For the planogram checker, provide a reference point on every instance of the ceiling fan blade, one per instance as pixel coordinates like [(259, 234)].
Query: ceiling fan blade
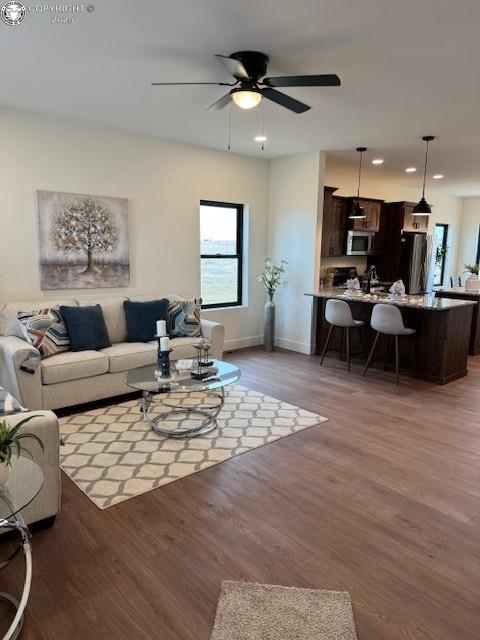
[(325, 80), (235, 67), (217, 84), (220, 104), (285, 101)]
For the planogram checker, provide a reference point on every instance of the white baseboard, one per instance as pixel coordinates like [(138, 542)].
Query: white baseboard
[(241, 343), (294, 345)]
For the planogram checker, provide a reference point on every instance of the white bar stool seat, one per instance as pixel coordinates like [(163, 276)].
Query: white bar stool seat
[(339, 314), (387, 320)]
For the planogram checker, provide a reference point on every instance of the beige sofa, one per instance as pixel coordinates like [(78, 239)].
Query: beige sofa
[(47, 504), (72, 378)]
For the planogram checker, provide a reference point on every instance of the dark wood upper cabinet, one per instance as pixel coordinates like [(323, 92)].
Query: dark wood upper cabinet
[(395, 218), (334, 224), (373, 209)]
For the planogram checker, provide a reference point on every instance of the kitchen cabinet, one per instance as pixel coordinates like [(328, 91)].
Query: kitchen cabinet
[(395, 218), (411, 222), (334, 222), (372, 207)]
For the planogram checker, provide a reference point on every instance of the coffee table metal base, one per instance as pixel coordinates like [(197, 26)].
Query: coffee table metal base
[(209, 413)]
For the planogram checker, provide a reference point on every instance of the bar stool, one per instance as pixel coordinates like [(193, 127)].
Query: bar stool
[(339, 314), (387, 320)]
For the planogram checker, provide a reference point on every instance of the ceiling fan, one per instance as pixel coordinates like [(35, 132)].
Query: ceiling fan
[(248, 68)]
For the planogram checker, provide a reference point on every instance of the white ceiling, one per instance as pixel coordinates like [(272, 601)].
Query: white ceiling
[(408, 68)]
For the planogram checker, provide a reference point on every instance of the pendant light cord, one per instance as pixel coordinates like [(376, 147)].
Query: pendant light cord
[(425, 170), (359, 176)]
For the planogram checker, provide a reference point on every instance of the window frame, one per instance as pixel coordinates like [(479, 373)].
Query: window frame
[(226, 256), (477, 259), (443, 246)]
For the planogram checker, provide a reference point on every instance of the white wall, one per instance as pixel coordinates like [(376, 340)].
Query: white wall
[(445, 209), (296, 197), (467, 250), (163, 181)]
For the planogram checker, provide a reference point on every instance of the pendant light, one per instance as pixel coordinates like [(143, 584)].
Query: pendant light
[(422, 208), (358, 211)]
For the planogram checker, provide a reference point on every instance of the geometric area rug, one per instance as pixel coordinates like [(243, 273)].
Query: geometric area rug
[(249, 611), (112, 454)]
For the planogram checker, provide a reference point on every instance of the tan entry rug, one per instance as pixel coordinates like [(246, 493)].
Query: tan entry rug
[(112, 454), (248, 611)]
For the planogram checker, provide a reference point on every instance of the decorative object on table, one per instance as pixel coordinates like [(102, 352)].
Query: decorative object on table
[(203, 350), (83, 241), (143, 317), (353, 284), (46, 330), (86, 327), (152, 461), (272, 279), (183, 319), (163, 356), (11, 442), (472, 283), (397, 288), (246, 609), (422, 208), (23, 486)]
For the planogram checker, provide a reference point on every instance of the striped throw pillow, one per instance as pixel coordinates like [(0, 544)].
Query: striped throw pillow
[(183, 318), (46, 330)]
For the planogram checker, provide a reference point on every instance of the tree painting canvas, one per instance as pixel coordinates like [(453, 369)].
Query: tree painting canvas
[(83, 241)]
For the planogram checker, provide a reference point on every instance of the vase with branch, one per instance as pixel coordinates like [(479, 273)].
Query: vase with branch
[(272, 278)]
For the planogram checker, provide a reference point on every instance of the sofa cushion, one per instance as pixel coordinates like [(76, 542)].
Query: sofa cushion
[(130, 355), (142, 318), (9, 322), (183, 347), (73, 365), (113, 313), (86, 327)]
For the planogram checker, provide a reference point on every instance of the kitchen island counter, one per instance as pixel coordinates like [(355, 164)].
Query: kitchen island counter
[(438, 351), (458, 294)]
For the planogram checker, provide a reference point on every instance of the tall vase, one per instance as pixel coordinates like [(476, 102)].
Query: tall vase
[(269, 324)]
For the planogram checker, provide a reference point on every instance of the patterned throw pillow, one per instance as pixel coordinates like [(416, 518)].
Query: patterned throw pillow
[(46, 330), (183, 318)]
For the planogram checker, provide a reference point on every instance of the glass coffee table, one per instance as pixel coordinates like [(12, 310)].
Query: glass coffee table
[(24, 484), (176, 394)]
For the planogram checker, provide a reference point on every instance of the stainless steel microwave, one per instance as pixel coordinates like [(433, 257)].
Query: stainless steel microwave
[(360, 243)]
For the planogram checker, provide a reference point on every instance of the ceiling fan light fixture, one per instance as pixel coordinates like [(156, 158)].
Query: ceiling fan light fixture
[(246, 98), (261, 138)]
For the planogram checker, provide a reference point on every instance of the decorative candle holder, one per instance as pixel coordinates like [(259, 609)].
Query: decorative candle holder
[(203, 349), (163, 360)]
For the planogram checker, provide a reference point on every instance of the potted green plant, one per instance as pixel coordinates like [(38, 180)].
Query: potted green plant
[(472, 283), (11, 443), (272, 279)]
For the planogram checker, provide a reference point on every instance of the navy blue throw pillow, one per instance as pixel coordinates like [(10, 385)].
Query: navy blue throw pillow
[(142, 318), (86, 327)]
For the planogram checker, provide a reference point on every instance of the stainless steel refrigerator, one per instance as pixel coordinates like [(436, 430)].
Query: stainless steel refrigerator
[(415, 262)]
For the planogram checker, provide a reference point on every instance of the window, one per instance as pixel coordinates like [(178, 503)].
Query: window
[(440, 236), (221, 250)]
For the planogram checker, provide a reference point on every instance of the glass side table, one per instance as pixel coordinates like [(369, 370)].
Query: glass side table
[(24, 484)]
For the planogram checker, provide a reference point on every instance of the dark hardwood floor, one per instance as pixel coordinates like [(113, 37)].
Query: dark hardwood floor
[(382, 501)]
